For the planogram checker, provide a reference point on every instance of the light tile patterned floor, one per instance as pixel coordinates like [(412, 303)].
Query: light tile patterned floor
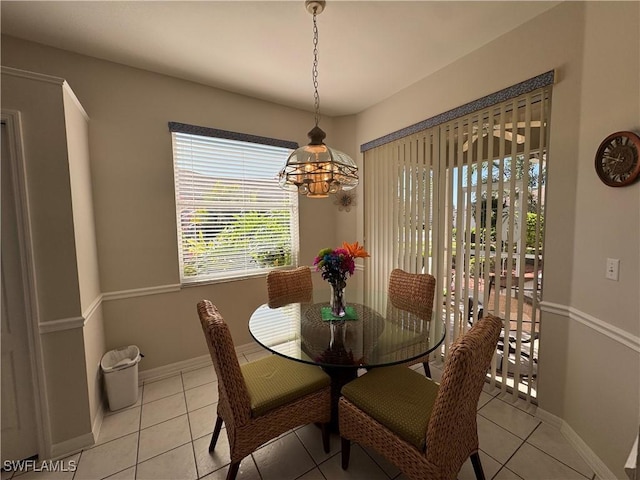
[(166, 434)]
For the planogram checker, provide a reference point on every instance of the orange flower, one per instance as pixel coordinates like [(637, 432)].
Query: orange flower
[(355, 250)]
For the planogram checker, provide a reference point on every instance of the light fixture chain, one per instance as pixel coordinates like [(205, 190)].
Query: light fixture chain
[(317, 170), (316, 96)]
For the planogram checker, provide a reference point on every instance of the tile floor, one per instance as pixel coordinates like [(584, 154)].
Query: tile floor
[(166, 435)]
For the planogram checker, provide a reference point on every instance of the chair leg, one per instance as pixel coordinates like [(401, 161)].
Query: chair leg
[(346, 452), (477, 466), (325, 437), (233, 470), (216, 434), (427, 370)]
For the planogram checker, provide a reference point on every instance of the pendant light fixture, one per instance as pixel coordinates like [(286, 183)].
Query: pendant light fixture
[(317, 170)]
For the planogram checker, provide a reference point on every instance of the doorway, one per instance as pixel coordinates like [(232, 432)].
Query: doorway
[(19, 419)]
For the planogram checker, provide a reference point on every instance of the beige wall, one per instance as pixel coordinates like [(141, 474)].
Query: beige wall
[(347, 222), (585, 221), (77, 134), (47, 172), (67, 386), (94, 348), (608, 219), (131, 163), (602, 389)]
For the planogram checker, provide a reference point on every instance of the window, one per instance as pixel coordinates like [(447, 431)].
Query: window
[(233, 219)]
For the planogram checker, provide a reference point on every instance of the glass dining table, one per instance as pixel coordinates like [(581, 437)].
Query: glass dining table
[(372, 334)]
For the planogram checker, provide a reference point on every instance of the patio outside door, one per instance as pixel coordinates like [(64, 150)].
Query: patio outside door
[(464, 201), (490, 261)]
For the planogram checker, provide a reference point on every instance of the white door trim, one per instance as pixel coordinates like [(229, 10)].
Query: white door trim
[(12, 120)]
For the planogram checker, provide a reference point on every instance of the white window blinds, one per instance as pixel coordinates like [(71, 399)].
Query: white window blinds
[(461, 196), (233, 218)]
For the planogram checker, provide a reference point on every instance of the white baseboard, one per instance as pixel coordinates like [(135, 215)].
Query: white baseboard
[(77, 444), (97, 423), (71, 446), (165, 371), (549, 418), (248, 348), (598, 466)]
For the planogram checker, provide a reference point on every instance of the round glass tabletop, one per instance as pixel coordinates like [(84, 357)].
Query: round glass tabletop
[(365, 337)]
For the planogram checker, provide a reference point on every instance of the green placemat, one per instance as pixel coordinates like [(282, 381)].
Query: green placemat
[(349, 314)]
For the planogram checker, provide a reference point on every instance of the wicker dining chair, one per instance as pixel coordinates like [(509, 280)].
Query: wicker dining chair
[(414, 293), (426, 430), (262, 399), (289, 286)]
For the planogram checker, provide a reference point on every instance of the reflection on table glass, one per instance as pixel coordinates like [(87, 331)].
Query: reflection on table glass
[(367, 338)]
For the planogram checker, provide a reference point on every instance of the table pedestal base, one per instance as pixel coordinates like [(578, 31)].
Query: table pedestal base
[(340, 376)]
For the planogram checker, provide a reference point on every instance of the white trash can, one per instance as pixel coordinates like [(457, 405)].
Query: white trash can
[(120, 369)]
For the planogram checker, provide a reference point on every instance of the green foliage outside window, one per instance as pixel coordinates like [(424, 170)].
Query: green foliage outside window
[(247, 231)]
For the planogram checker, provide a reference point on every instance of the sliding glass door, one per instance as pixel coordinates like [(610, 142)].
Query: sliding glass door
[(464, 201)]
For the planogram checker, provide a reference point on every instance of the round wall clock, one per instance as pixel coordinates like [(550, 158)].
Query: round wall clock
[(617, 159)]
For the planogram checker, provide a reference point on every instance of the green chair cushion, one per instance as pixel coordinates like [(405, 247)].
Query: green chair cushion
[(274, 381), (397, 397)]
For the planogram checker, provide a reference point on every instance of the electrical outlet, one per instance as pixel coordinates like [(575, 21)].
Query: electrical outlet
[(613, 269)]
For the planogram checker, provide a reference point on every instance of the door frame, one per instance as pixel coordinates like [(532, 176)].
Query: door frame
[(12, 120)]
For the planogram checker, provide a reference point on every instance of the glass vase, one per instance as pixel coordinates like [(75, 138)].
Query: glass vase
[(337, 302)]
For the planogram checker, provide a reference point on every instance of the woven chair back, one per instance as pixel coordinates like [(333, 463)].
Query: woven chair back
[(231, 386), (452, 433), (412, 292), (289, 286)]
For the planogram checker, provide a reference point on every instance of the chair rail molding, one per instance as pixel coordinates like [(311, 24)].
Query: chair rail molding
[(140, 292), (70, 323), (61, 324), (621, 336)]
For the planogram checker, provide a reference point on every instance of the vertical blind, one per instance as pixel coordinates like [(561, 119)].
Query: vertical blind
[(398, 208), (464, 201), (233, 218)]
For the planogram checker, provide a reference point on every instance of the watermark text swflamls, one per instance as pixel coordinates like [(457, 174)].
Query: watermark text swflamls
[(46, 466)]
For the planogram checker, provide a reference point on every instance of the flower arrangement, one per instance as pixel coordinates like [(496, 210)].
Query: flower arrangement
[(336, 264)]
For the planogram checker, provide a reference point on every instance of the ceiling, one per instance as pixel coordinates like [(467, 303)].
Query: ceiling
[(369, 50)]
